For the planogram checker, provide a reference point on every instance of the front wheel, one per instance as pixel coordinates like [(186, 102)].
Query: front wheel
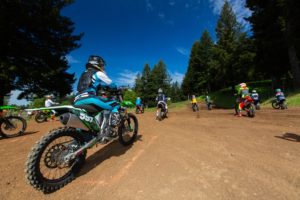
[(251, 111), (128, 130), (12, 126), (46, 167)]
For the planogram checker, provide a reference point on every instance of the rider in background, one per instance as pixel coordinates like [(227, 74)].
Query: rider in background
[(161, 98), (279, 95), (208, 102), (254, 95), (49, 103), (194, 100), (93, 78), (242, 92)]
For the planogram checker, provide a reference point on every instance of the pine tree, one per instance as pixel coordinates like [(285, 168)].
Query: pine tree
[(276, 30), (190, 79), (34, 41)]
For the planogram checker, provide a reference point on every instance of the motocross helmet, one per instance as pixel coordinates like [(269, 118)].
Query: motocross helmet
[(160, 90), (278, 90), (243, 85), (95, 62), (253, 91)]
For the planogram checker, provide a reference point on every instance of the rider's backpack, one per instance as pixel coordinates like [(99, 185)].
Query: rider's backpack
[(85, 80)]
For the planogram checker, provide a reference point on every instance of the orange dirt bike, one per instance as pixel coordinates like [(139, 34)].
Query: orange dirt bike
[(55, 160), (139, 109)]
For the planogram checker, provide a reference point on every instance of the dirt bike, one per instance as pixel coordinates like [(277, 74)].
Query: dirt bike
[(162, 111), (249, 106), (11, 126), (58, 156), (139, 109), (279, 104), (256, 104), (195, 107), (43, 115)]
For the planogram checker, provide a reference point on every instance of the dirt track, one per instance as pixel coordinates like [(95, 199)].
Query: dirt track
[(215, 156)]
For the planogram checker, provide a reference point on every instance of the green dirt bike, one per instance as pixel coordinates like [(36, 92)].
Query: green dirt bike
[(11, 126), (58, 156), (42, 115)]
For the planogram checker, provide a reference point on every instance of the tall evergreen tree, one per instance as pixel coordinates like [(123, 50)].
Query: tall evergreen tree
[(228, 31), (190, 78), (204, 72), (35, 38), (276, 29)]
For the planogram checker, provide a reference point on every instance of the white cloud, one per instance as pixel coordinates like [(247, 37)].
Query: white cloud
[(238, 6), (13, 98), (71, 59), (176, 76), (127, 77), (149, 6), (161, 15), (182, 51), (172, 3)]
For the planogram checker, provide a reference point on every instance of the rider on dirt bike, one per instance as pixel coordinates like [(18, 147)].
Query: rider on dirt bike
[(194, 102), (279, 95), (242, 92), (254, 95), (49, 103), (161, 98), (138, 103), (91, 79), (208, 102)]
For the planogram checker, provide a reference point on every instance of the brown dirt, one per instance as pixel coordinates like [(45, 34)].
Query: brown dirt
[(212, 156)]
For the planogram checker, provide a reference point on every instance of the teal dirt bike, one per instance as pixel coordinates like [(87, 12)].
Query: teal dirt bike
[(55, 160)]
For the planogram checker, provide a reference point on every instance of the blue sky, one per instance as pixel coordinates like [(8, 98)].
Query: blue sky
[(130, 33)]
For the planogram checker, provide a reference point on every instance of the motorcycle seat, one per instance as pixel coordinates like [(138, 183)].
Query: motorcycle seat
[(90, 108)]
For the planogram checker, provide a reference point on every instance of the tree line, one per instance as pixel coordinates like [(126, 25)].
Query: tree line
[(35, 39), (150, 80), (270, 50)]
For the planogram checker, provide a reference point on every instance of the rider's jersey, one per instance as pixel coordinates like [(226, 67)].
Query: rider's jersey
[(242, 92), (255, 96), (91, 82), (161, 97), (194, 100), (49, 103), (138, 102), (280, 96)]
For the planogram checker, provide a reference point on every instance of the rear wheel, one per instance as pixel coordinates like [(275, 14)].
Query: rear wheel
[(275, 104), (12, 126), (40, 117), (46, 168), (128, 130)]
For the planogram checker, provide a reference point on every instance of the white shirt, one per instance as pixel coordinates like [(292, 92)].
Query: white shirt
[(49, 103)]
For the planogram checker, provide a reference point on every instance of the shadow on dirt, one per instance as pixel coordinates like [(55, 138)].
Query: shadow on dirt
[(112, 149), (290, 136), (15, 136)]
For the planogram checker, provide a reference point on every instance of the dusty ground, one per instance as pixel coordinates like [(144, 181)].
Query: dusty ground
[(214, 156)]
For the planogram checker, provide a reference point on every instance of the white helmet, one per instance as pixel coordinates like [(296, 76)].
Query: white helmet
[(160, 90), (253, 91)]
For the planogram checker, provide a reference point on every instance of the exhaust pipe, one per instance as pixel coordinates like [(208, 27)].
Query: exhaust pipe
[(71, 120)]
